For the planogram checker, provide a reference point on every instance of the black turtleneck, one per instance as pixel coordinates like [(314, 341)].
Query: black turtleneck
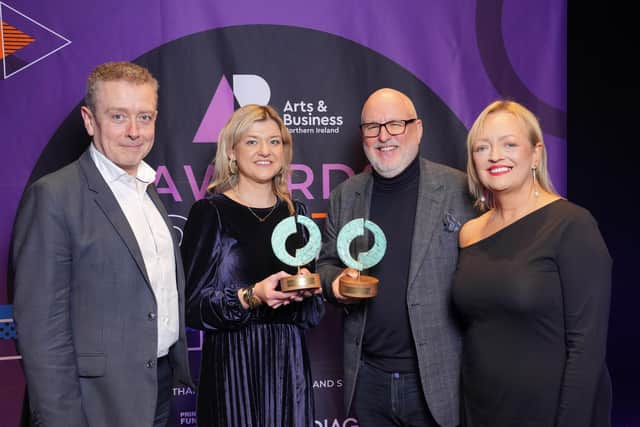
[(388, 342)]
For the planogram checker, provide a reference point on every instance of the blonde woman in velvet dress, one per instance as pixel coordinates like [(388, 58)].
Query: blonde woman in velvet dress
[(255, 367)]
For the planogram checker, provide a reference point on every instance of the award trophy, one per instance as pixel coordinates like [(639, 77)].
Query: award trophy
[(304, 255), (361, 286)]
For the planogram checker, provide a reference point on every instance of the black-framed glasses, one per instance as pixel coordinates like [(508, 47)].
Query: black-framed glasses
[(393, 127)]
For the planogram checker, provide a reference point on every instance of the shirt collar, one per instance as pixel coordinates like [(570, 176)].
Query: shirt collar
[(112, 172)]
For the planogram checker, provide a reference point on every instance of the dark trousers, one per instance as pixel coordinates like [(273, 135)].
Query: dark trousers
[(390, 399), (163, 404)]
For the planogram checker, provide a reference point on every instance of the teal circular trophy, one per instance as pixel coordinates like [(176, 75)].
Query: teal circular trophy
[(304, 255), (362, 286)]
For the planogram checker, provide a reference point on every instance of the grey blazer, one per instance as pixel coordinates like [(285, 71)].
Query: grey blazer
[(443, 205), (84, 308)]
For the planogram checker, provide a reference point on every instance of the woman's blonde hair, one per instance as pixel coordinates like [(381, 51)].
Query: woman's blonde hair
[(484, 198), (237, 126)]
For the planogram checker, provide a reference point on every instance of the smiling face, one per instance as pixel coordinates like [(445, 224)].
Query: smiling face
[(503, 155), (123, 123), (390, 155), (259, 153)]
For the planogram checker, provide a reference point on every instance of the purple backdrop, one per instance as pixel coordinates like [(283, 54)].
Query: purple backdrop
[(459, 54)]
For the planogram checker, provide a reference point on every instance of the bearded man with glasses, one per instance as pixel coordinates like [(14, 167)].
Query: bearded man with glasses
[(401, 348)]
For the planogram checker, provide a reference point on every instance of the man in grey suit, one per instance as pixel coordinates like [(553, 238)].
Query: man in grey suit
[(99, 286), (401, 348)]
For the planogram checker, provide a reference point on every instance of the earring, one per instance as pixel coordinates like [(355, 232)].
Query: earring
[(536, 193), (233, 167)]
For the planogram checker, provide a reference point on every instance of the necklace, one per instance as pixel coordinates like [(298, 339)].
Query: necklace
[(258, 217), (263, 218)]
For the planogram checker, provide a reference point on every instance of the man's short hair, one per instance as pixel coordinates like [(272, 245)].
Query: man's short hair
[(116, 71)]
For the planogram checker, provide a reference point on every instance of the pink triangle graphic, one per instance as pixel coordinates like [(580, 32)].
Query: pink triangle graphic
[(219, 111)]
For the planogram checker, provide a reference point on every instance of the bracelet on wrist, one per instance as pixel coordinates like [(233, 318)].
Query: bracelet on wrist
[(249, 298)]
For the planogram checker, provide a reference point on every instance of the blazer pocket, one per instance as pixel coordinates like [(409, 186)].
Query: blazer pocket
[(91, 365)]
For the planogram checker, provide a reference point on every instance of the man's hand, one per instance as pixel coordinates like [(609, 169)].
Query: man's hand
[(335, 286)]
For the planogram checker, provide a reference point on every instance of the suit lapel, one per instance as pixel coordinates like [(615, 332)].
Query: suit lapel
[(155, 198), (428, 217), (107, 202)]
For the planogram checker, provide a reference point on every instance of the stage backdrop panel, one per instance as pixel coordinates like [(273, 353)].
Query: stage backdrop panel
[(315, 63)]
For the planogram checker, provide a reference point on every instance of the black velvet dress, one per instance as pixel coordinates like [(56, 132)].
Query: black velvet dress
[(254, 367), (536, 298)]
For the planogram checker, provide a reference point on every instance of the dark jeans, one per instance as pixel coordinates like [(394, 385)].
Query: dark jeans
[(390, 399), (163, 404)]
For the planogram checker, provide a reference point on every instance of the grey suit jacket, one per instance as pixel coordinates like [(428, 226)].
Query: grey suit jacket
[(443, 205), (84, 308)]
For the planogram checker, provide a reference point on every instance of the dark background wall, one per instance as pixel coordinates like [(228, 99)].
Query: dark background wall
[(603, 172)]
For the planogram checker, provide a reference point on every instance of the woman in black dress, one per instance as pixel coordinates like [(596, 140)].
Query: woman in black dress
[(533, 283), (254, 367)]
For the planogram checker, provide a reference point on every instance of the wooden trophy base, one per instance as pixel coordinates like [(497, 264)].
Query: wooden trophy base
[(359, 287), (300, 282)]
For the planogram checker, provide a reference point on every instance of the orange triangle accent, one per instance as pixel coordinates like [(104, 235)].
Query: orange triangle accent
[(13, 40)]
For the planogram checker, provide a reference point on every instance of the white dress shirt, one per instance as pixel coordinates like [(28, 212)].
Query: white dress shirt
[(153, 237)]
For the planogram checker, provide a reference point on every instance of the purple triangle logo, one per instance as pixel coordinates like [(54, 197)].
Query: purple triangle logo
[(219, 111)]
